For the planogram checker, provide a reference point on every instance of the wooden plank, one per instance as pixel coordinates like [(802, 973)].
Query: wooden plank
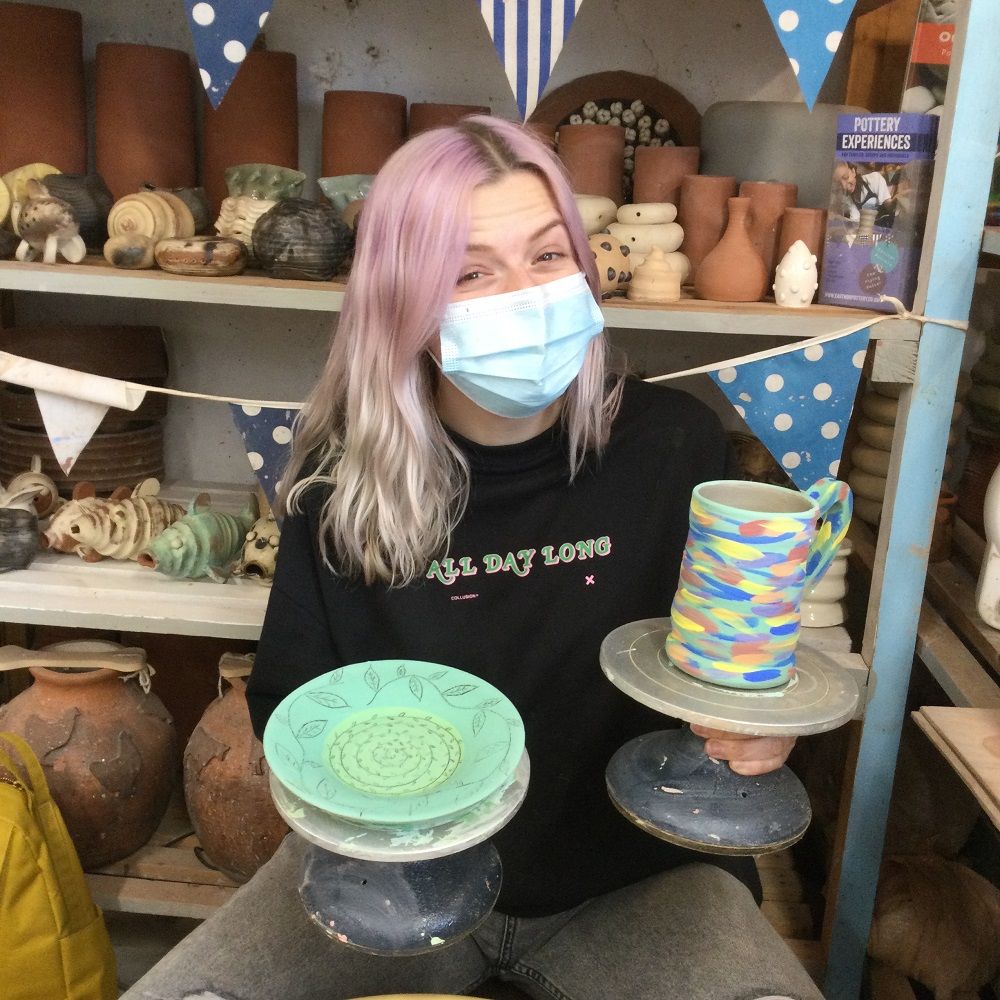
[(790, 920), (781, 885), (888, 984), (810, 954), (167, 864), (974, 735), (991, 240), (969, 545), (172, 899)]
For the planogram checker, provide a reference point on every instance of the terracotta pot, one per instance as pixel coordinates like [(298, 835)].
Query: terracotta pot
[(361, 130), (545, 131), (980, 464), (659, 171), (428, 115), (944, 518), (257, 122), (734, 270), (768, 201), (226, 787), (144, 117), (594, 156), (43, 116), (806, 224), (109, 752), (702, 214)]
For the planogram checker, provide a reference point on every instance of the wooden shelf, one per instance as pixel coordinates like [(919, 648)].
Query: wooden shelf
[(96, 277), (991, 240)]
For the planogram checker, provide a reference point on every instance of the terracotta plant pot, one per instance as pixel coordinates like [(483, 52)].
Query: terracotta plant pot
[(734, 270), (594, 156), (109, 752), (361, 130), (545, 131), (806, 224), (768, 201), (659, 171), (702, 214), (144, 118), (428, 115), (257, 122), (43, 115)]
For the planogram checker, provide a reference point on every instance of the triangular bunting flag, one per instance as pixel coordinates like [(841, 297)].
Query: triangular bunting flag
[(70, 424), (528, 36), (267, 438), (810, 32), (223, 31), (798, 404)]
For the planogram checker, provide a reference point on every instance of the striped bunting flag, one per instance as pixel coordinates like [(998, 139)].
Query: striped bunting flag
[(528, 36)]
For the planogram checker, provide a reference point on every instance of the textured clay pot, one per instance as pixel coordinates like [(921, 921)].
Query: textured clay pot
[(806, 224), (659, 171), (428, 115), (768, 201), (734, 270), (226, 787), (301, 239), (18, 538), (594, 156), (43, 115), (89, 198), (144, 117), (109, 752), (361, 130), (702, 214), (257, 122)]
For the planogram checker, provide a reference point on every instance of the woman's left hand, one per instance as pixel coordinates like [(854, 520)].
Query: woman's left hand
[(746, 754)]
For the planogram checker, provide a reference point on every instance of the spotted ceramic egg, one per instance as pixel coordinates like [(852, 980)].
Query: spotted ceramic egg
[(613, 265)]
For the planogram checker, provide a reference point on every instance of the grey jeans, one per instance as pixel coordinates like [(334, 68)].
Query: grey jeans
[(694, 933)]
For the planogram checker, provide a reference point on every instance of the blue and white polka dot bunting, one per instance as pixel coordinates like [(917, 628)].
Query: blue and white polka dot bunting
[(799, 404), (267, 437)]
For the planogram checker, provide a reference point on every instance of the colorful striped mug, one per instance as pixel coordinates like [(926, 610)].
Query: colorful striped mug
[(751, 551)]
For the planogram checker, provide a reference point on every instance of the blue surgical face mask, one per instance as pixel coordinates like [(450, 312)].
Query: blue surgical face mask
[(515, 353)]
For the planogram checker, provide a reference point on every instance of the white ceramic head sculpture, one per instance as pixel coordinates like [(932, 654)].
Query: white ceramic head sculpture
[(797, 279), (988, 588)]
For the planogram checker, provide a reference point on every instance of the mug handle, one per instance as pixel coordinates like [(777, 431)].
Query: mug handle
[(835, 503)]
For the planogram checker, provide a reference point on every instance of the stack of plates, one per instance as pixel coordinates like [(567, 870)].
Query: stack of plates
[(396, 760)]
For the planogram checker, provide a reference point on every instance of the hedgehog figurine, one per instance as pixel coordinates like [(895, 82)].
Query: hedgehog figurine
[(46, 225), (202, 543)]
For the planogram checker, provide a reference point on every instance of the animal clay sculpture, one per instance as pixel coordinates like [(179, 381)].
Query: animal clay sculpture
[(260, 550), (47, 226), (46, 494), (202, 543)]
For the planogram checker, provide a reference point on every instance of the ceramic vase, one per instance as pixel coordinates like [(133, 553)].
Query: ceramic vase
[(659, 171), (806, 224), (594, 157), (768, 201), (89, 198), (258, 122), (425, 115), (18, 538), (734, 270), (735, 616), (702, 214), (109, 752), (226, 787), (361, 130), (43, 111), (301, 239), (796, 278), (144, 118)]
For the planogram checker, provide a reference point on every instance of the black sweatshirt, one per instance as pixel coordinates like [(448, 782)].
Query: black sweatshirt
[(539, 571)]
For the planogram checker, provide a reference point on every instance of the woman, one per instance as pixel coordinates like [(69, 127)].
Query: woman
[(469, 486), (860, 191)]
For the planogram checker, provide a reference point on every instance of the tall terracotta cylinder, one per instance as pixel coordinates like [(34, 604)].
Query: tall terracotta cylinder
[(659, 171), (144, 117), (361, 130), (594, 156), (109, 752), (257, 121), (702, 214), (43, 115), (768, 201), (429, 115), (734, 270), (806, 224)]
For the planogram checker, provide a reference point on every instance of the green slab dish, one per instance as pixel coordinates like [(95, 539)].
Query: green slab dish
[(394, 742)]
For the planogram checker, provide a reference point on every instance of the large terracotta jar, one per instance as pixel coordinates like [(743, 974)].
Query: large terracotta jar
[(768, 201), (361, 130), (702, 214), (257, 122), (43, 115), (806, 224), (226, 787), (429, 115), (594, 157), (734, 271), (109, 751), (659, 171), (144, 118)]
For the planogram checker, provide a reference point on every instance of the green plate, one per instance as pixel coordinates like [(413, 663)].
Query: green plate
[(392, 742)]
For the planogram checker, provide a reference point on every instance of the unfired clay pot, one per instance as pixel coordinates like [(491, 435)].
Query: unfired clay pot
[(144, 118), (768, 201), (806, 224), (43, 112), (109, 752), (226, 787), (429, 115), (594, 156), (659, 171), (361, 130), (734, 270), (702, 214)]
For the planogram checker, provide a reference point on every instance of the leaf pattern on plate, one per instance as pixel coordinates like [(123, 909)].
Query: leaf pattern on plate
[(288, 757), (457, 689), (478, 721), (401, 670), (310, 729), (417, 688), (372, 679), (489, 751), (328, 699)]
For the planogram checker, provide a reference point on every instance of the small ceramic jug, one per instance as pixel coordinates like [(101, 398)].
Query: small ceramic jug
[(751, 551)]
